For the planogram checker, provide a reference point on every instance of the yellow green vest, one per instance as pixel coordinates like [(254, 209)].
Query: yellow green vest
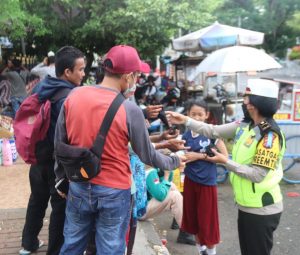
[(247, 193)]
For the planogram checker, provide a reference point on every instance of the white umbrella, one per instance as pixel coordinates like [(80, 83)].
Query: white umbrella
[(217, 36), (237, 59)]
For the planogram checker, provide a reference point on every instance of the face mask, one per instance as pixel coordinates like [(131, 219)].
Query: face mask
[(129, 91), (247, 116)]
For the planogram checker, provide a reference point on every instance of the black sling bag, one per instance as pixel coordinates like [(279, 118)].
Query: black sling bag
[(82, 164)]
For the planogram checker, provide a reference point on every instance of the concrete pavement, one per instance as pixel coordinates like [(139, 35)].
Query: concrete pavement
[(12, 222), (15, 191), (286, 237)]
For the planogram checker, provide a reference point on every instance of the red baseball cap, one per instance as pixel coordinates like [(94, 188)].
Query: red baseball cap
[(125, 59)]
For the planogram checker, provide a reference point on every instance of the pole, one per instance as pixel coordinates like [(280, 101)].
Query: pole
[(239, 21), (236, 94), (157, 69), (23, 46)]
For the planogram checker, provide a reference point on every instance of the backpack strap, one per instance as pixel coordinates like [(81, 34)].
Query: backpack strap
[(98, 145)]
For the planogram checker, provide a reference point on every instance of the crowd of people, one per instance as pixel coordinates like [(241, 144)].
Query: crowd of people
[(99, 216), (17, 82)]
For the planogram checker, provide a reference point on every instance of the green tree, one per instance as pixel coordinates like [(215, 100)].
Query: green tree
[(267, 16), (147, 25), (96, 25), (16, 22), (294, 22)]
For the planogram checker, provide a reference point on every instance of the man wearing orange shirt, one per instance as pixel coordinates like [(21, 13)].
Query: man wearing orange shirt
[(104, 202)]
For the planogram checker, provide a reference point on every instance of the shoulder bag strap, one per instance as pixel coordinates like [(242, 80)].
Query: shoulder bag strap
[(98, 145)]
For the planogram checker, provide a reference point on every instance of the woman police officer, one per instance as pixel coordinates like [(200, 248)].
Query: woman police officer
[(256, 168)]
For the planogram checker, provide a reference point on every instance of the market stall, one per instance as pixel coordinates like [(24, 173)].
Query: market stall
[(8, 151), (217, 36)]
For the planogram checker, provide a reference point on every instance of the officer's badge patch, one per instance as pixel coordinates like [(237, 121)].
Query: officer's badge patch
[(267, 152), (249, 141), (268, 140)]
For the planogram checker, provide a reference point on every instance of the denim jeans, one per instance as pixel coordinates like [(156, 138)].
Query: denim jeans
[(93, 206)]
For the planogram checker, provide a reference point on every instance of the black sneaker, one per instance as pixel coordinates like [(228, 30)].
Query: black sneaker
[(185, 238), (174, 224)]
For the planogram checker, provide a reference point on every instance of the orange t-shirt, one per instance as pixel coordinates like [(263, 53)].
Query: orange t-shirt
[(115, 166)]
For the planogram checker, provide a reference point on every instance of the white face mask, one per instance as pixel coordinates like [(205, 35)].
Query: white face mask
[(129, 91)]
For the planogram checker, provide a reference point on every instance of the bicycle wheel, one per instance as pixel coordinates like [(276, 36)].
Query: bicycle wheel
[(222, 174), (291, 160)]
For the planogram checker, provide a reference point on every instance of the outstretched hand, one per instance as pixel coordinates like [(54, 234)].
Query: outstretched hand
[(176, 145), (153, 111), (193, 156), (176, 118), (218, 158), (167, 136), (182, 159)]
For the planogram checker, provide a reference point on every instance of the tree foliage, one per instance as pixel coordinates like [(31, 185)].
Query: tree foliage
[(96, 25), (294, 22), (267, 16), (16, 22), (149, 25)]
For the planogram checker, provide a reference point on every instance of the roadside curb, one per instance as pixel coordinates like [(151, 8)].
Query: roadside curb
[(147, 235), (147, 240)]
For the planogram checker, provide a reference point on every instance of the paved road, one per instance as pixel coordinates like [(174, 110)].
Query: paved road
[(14, 190), (286, 239)]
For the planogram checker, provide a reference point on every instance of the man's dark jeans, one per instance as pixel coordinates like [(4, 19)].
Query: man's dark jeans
[(42, 182)]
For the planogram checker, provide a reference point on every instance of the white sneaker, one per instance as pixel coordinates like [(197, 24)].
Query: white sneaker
[(26, 252)]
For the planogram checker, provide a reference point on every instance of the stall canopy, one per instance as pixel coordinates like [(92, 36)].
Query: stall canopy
[(217, 36), (237, 59)]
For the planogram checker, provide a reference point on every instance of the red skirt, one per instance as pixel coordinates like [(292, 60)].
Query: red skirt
[(200, 212)]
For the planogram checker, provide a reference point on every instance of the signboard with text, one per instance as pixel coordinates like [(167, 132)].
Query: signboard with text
[(296, 108), (282, 116)]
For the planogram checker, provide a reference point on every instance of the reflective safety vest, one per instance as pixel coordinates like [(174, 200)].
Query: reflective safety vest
[(246, 192)]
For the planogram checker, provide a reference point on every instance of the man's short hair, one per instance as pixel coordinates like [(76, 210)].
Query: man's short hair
[(17, 63), (65, 58), (106, 67)]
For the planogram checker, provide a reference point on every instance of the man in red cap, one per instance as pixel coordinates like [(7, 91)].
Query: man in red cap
[(104, 202)]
